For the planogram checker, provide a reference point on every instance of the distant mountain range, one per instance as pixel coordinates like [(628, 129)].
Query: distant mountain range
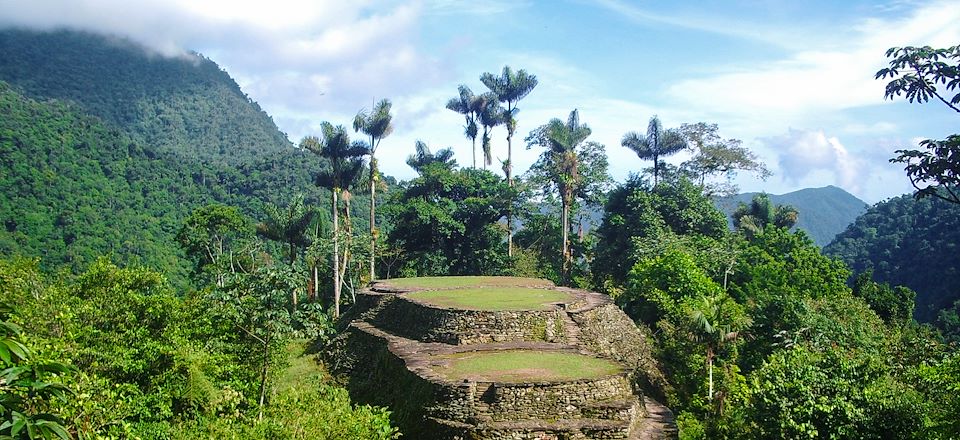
[(824, 212)]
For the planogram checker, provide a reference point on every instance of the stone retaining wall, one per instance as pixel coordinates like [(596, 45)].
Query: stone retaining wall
[(568, 400), (423, 322)]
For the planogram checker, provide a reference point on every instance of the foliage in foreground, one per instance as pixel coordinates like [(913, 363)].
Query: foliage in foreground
[(145, 363), (760, 336)]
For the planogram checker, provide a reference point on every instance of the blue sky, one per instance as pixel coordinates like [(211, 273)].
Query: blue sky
[(792, 80)]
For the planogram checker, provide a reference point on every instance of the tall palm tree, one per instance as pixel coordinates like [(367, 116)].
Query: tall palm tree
[(713, 325), (752, 219), (344, 165), (377, 124), (656, 144), (562, 139), (467, 104), (510, 87), (489, 114), (423, 158)]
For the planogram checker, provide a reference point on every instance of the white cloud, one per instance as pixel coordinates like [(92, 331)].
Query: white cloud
[(834, 77), (287, 54), (804, 152)]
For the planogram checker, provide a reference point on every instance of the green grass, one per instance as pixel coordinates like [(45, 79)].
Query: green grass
[(523, 366), (300, 368), (492, 298), (467, 281)]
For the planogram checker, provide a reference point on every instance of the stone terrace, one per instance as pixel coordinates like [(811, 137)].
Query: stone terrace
[(395, 347)]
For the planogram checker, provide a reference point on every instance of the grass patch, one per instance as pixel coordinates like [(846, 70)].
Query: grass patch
[(492, 298), (466, 281), (524, 366)]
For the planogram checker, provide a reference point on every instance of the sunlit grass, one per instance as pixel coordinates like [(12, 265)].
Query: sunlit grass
[(465, 281), (524, 366), (492, 298)]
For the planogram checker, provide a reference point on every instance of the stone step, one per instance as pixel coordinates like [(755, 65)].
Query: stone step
[(571, 329), (538, 429)]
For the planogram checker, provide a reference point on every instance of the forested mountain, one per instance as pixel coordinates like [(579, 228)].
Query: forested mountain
[(186, 104), (908, 242), (824, 212), (107, 149), (72, 189)]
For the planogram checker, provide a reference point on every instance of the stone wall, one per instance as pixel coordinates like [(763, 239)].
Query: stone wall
[(607, 331), (423, 322), (568, 400)]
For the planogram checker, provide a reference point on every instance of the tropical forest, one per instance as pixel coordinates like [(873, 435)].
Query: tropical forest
[(174, 266)]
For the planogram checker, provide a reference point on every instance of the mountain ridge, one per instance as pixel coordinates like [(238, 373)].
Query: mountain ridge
[(824, 212)]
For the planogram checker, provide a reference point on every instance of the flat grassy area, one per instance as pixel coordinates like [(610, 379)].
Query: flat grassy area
[(492, 298), (468, 281), (523, 366)]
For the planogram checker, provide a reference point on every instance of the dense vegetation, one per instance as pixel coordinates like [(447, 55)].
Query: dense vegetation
[(908, 242), (790, 350), (758, 331), (186, 105), (146, 363)]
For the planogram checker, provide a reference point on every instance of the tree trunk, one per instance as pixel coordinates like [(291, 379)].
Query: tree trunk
[(347, 246), (263, 375), (565, 221), (336, 257), (710, 374), (373, 218), (656, 169), (507, 170), (474, 139), (293, 294)]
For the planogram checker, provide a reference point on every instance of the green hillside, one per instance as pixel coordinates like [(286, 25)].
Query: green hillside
[(107, 149), (824, 212), (908, 242), (186, 105), (72, 189)]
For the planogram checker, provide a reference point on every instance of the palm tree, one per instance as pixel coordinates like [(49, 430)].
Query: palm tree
[(562, 140), (713, 325), (344, 165), (468, 105), (509, 88), (378, 125), (656, 144), (423, 158), (752, 219), (489, 114), (288, 225)]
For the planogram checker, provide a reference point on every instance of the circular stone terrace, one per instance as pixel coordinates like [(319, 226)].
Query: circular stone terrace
[(506, 350)]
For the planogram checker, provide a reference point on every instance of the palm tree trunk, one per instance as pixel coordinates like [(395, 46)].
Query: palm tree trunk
[(656, 169), (507, 169), (336, 257), (474, 139), (565, 221), (373, 218)]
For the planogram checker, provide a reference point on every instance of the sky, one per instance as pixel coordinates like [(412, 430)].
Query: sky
[(793, 80)]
